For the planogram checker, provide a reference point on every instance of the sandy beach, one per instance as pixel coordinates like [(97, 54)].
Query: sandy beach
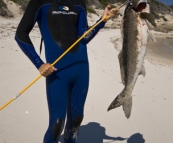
[(26, 119)]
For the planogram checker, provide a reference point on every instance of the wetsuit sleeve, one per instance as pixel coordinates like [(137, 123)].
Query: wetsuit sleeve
[(83, 27), (26, 24)]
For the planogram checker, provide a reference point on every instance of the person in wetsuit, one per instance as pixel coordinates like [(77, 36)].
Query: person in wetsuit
[(61, 23)]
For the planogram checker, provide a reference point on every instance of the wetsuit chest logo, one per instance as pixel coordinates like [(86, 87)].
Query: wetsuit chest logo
[(64, 10)]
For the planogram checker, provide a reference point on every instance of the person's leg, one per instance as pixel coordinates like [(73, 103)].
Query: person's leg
[(76, 104), (57, 91)]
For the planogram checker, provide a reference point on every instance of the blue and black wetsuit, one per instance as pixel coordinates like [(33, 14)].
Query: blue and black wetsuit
[(61, 23)]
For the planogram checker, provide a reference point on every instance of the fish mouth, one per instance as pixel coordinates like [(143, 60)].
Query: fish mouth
[(140, 7)]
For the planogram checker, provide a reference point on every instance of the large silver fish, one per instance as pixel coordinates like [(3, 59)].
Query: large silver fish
[(131, 58)]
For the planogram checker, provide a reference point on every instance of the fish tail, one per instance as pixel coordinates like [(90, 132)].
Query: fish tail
[(127, 106), (124, 99)]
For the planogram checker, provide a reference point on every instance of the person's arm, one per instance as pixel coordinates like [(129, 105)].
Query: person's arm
[(83, 26), (22, 34)]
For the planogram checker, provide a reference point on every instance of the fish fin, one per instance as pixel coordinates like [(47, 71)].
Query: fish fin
[(151, 35), (149, 32), (127, 107), (149, 17), (124, 100), (142, 72), (121, 66), (118, 101), (121, 27), (115, 103)]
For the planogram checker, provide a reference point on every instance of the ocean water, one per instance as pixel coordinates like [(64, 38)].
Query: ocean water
[(162, 49)]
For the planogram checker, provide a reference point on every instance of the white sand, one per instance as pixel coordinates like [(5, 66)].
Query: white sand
[(26, 119)]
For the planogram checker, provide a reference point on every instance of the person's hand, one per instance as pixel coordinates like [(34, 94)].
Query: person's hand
[(109, 12), (46, 69)]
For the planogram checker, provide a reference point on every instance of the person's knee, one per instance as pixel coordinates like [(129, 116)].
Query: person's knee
[(77, 121), (57, 128)]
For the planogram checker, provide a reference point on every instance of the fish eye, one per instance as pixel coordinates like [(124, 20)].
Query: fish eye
[(131, 2)]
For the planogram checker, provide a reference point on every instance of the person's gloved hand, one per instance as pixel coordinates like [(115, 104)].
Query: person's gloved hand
[(46, 69)]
